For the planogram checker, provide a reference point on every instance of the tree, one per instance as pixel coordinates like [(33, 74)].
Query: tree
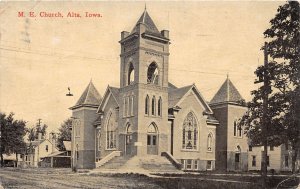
[(280, 117), (64, 133), (262, 120), (284, 48), (33, 132), (12, 135)]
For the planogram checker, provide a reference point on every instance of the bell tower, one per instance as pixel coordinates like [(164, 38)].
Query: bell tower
[(144, 87)]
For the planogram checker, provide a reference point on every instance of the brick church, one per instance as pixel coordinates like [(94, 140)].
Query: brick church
[(147, 116)]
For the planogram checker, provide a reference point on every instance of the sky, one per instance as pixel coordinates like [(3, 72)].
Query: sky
[(40, 57)]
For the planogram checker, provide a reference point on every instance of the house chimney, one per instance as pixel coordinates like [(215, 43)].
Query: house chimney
[(39, 136), (53, 141)]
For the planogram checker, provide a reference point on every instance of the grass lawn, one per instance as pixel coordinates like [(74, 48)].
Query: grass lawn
[(64, 178)]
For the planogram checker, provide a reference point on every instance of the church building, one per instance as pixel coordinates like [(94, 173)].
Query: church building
[(147, 116)]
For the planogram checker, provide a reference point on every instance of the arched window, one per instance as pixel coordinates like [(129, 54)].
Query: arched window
[(190, 132), (77, 151), (152, 129), (153, 105), (159, 108), (111, 133), (237, 129), (127, 106), (152, 73), (131, 105), (147, 105), (99, 140), (152, 136), (130, 79), (240, 129), (234, 128), (128, 134), (209, 142)]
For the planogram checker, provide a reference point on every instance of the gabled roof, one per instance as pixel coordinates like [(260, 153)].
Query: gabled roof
[(227, 93), (148, 22), (114, 92), (179, 94), (89, 97), (175, 95), (171, 86)]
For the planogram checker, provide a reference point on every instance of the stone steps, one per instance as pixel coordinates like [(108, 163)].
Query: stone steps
[(115, 163), (136, 164)]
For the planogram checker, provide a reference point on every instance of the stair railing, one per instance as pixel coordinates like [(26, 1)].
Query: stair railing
[(172, 159)]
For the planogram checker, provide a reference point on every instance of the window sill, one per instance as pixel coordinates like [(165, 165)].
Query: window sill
[(111, 149), (129, 116), (209, 151), (152, 116), (240, 137), (187, 150)]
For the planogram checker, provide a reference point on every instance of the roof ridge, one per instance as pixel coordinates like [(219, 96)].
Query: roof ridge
[(88, 92), (187, 86)]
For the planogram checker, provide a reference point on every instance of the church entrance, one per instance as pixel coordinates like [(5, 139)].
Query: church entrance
[(129, 141), (152, 140)]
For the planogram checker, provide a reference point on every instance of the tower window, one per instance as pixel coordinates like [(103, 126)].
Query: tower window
[(234, 128), (152, 73), (159, 108), (124, 107), (130, 74), (240, 129), (153, 105), (147, 105), (209, 142), (131, 104), (77, 151)]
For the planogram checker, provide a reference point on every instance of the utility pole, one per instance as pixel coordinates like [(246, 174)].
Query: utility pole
[(39, 138), (265, 120), (39, 121)]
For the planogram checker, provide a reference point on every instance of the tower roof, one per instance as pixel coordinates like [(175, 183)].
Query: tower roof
[(227, 93), (90, 96), (148, 22)]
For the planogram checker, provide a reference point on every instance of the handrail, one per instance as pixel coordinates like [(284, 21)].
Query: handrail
[(108, 158), (172, 159)]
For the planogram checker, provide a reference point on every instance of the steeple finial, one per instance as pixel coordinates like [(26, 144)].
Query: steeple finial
[(145, 6), (227, 75)]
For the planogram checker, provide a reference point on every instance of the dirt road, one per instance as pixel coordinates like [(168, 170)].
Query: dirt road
[(64, 178)]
